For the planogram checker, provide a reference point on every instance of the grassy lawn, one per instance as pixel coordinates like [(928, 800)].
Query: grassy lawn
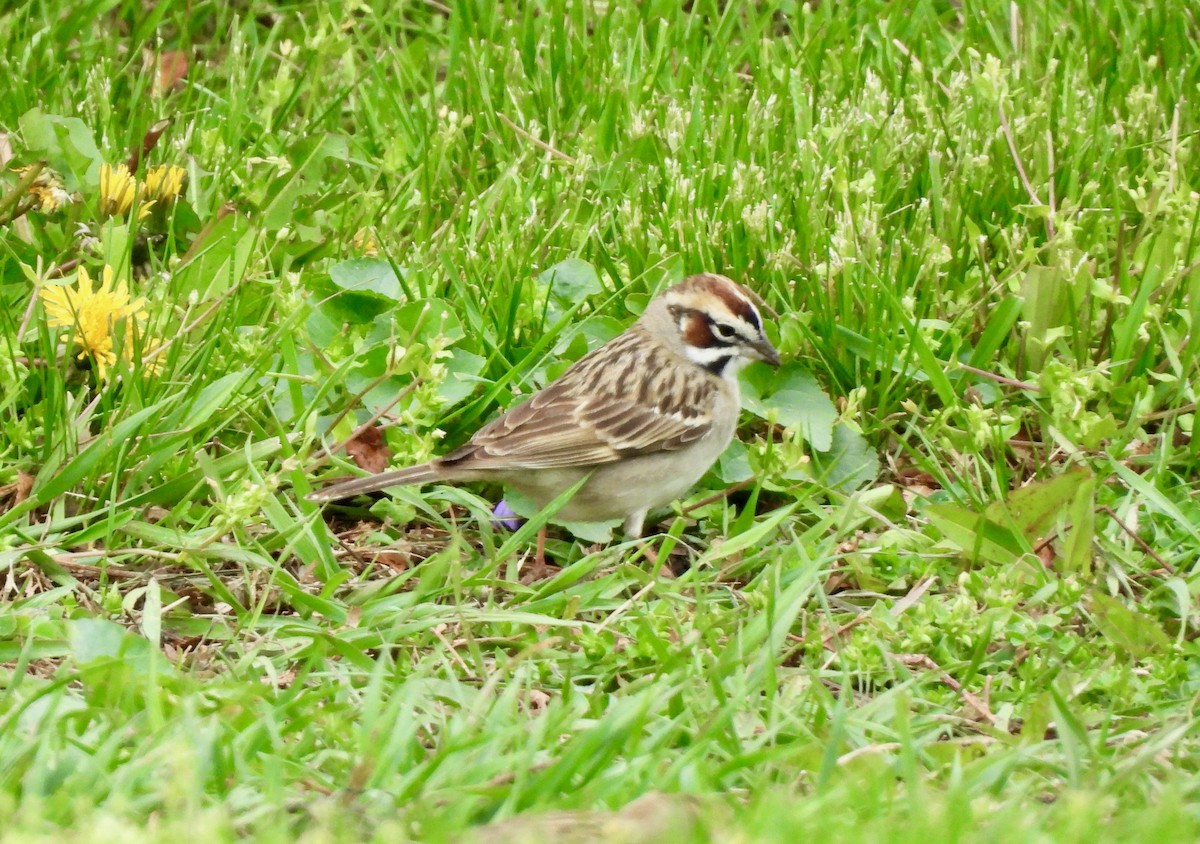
[(950, 592)]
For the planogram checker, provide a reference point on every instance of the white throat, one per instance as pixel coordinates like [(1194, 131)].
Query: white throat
[(723, 361)]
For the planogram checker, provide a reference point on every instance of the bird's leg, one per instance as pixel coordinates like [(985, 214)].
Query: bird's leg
[(633, 530), (650, 554), (539, 570), (633, 524)]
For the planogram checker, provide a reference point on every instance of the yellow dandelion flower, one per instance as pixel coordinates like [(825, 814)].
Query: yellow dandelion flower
[(163, 183), (92, 313), (48, 190), (50, 197), (118, 190), (365, 242), (152, 360)]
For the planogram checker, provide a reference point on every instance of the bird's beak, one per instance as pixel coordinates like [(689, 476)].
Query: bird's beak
[(764, 351)]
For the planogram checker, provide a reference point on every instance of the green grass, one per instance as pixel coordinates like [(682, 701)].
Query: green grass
[(959, 601)]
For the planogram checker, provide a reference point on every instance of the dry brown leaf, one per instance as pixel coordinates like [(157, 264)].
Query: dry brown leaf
[(397, 561), (536, 572), (172, 70), (149, 142), (1045, 552), (24, 485), (917, 481), (16, 492), (368, 450)]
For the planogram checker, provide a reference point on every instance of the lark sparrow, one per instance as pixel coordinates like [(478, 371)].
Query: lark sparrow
[(646, 414)]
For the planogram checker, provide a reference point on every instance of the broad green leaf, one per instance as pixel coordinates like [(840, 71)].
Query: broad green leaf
[(67, 144), (1045, 293), (377, 394), (1131, 631), (1081, 514), (598, 330), (357, 291), (849, 463), (571, 280), (462, 376), (422, 321), (975, 535), (599, 532), (794, 399), (320, 329), (368, 275), (1034, 508), (733, 466), (96, 639), (425, 320)]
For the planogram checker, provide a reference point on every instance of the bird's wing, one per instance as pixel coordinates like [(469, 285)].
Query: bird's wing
[(632, 400)]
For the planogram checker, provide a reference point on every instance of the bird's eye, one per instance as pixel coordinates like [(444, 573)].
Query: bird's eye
[(723, 331)]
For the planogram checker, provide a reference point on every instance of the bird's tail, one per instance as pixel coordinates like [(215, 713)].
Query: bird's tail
[(372, 483)]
